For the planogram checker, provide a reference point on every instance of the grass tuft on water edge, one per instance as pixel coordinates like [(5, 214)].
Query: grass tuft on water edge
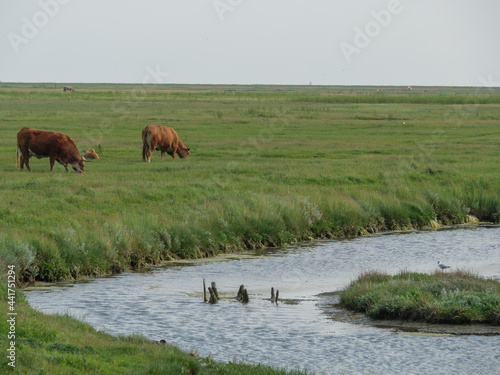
[(442, 297)]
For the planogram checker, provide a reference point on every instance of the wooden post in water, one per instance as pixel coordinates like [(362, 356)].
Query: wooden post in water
[(214, 288), (204, 292), (240, 292), (213, 298), (242, 295), (277, 295), (272, 294)]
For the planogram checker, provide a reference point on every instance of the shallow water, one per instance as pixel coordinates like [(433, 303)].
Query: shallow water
[(167, 303)]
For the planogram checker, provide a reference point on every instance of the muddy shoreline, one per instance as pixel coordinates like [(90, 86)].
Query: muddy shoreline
[(331, 307)]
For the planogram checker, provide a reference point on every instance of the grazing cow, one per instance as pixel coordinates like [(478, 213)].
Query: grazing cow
[(42, 144), (164, 139), (91, 154), (68, 88)]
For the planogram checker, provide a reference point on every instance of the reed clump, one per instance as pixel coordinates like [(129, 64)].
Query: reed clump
[(442, 297)]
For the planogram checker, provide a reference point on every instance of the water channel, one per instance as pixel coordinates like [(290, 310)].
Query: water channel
[(300, 332)]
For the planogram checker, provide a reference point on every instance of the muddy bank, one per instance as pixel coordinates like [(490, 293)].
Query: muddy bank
[(332, 309)]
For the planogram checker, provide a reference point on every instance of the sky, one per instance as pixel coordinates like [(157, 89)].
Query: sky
[(319, 42)]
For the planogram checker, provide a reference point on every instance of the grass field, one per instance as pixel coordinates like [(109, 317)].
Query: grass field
[(269, 165)]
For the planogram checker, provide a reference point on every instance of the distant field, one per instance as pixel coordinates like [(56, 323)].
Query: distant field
[(269, 165)]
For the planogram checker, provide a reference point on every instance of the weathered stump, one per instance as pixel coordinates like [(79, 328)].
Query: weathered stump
[(277, 295), (214, 288), (240, 292), (204, 291), (242, 295), (213, 297), (272, 294)]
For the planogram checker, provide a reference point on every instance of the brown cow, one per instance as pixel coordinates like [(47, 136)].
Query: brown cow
[(164, 139), (91, 154), (68, 88), (42, 144)]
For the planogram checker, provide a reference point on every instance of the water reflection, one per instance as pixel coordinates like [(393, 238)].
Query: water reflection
[(167, 303)]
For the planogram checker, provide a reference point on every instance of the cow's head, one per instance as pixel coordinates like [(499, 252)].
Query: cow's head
[(183, 152), (79, 166)]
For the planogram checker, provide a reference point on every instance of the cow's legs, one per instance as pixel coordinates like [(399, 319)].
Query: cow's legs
[(65, 165), (52, 161), (152, 147), (25, 160)]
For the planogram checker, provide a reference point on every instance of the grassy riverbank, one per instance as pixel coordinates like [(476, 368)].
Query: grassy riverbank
[(46, 344), (443, 297), (269, 165)]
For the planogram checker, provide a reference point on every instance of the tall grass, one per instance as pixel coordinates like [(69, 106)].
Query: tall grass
[(452, 297), (272, 169)]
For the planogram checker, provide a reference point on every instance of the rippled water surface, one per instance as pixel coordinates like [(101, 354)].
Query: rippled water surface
[(167, 303)]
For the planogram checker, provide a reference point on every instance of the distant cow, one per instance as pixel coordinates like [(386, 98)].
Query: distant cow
[(68, 88), (164, 139), (91, 154), (46, 144)]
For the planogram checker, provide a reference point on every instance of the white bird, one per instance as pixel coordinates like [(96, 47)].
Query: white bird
[(442, 266)]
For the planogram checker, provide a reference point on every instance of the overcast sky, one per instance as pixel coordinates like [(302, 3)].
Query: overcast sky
[(324, 42)]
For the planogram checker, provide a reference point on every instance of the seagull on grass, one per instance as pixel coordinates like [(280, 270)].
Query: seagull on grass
[(442, 266)]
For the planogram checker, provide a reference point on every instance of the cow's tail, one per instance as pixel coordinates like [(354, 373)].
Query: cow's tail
[(17, 157), (146, 144)]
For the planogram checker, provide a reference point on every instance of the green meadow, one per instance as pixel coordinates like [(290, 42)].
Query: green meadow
[(269, 166)]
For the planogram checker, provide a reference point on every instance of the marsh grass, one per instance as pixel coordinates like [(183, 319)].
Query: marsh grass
[(268, 167), (443, 297)]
